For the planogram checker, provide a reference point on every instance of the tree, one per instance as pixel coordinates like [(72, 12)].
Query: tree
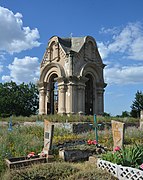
[(18, 99), (125, 114), (137, 105), (106, 114)]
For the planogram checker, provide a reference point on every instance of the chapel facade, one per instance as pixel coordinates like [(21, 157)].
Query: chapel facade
[(71, 77)]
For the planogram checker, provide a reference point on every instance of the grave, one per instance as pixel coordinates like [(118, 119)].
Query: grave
[(83, 152), (18, 162), (45, 155), (118, 130)]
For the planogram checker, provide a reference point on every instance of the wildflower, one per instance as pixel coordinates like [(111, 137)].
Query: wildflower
[(94, 142), (117, 148), (31, 154), (89, 142), (141, 166)]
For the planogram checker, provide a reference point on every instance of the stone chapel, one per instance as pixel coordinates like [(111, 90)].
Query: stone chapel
[(71, 77)]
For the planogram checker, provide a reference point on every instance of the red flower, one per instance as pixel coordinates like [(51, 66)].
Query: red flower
[(94, 142), (89, 142), (31, 154), (117, 148)]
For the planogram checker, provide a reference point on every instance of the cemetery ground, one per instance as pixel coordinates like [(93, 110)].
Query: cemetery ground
[(24, 139)]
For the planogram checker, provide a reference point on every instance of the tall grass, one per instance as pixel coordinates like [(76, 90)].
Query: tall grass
[(19, 142), (71, 118)]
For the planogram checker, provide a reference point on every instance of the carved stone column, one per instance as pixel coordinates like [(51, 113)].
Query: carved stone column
[(81, 94), (62, 99), (69, 97), (42, 97), (72, 95), (61, 95)]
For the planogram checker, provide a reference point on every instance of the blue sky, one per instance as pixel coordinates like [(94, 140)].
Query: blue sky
[(117, 25)]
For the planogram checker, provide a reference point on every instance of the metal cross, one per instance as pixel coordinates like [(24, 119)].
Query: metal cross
[(10, 124), (96, 128)]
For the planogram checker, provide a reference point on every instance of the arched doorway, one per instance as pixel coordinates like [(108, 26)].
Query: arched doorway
[(52, 104), (89, 95)]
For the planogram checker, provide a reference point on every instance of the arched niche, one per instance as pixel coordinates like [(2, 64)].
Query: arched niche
[(89, 95), (52, 95)]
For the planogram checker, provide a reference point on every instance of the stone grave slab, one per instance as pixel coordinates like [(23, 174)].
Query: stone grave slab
[(48, 137), (118, 130)]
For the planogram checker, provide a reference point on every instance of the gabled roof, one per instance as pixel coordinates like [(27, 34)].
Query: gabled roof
[(72, 44)]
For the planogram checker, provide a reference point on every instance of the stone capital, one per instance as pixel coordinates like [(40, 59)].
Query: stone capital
[(42, 85), (42, 92), (62, 89), (60, 80)]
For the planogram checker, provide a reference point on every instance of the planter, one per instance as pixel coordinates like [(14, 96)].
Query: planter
[(24, 161), (121, 172)]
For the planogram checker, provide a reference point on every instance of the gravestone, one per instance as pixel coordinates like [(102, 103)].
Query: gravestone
[(141, 119), (118, 130), (48, 137)]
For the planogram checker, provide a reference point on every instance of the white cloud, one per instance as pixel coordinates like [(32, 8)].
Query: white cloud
[(1, 68), (128, 41), (103, 50), (6, 78), (14, 37), (23, 70), (124, 75), (111, 31)]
